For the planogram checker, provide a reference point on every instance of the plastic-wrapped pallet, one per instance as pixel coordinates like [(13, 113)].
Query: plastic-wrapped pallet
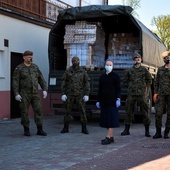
[(83, 51), (78, 40), (122, 61), (80, 32), (98, 49)]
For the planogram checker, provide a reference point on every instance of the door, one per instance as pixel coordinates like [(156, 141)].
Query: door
[(16, 59)]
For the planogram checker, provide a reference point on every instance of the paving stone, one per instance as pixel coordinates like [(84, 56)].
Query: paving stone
[(77, 151)]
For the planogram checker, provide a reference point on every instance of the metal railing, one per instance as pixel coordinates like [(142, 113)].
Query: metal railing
[(40, 9)]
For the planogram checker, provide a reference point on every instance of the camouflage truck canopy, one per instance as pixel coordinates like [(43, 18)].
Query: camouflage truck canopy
[(116, 18)]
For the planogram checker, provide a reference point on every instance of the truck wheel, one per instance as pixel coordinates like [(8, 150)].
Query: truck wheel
[(76, 117), (138, 118)]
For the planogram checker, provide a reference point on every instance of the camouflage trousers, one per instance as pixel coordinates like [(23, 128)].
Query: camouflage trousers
[(35, 101), (144, 106), (162, 105), (71, 101)]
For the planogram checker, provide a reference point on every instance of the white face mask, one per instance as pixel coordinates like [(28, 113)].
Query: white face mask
[(108, 68)]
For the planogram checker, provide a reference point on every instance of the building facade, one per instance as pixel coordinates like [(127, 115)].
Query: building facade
[(25, 25)]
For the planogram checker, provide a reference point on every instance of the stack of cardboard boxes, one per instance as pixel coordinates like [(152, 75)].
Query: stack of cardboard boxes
[(121, 48), (87, 41)]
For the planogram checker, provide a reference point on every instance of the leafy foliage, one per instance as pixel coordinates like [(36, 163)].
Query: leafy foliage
[(162, 23), (135, 4)]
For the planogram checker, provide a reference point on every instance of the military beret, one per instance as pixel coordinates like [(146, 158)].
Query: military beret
[(27, 53), (75, 58), (136, 56), (165, 54)]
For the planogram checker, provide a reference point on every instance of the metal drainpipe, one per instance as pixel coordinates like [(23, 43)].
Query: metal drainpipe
[(106, 2), (79, 3)]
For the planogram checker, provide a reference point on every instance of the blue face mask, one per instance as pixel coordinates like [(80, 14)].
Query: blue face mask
[(108, 68)]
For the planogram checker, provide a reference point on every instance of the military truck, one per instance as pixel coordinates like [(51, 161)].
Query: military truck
[(95, 33)]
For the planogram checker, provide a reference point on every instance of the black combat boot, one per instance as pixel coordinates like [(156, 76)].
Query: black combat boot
[(158, 133), (40, 131), (111, 140), (65, 129), (126, 130), (84, 129), (147, 134), (166, 132), (26, 131), (106, 141)]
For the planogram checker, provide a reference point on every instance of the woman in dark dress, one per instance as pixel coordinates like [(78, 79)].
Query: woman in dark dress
[(109, 100)]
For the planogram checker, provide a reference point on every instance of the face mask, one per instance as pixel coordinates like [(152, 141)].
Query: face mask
[(75, 65), (137, 62), (28, 61), (108, 68), (166, 61)]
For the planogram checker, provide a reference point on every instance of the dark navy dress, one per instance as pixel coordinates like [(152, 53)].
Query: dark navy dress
[(109, 91)]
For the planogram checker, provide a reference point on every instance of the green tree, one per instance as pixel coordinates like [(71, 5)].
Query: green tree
[(135, 4), (162, 23)]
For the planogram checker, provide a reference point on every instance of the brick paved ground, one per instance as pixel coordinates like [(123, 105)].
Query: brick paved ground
[(75, 151)]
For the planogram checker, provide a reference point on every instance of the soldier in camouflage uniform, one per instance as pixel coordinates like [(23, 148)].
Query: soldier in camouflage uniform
[(26, 78), (137, 79), (162, 96), (75, 87)]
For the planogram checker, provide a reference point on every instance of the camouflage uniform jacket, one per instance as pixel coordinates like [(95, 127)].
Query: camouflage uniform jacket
[(75, 82), (137, 80), (162, 82), (27, 79)]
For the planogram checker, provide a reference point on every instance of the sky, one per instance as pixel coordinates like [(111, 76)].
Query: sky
[(148, 10)]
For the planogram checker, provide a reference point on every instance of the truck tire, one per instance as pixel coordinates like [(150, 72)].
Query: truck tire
[(76, 117)]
